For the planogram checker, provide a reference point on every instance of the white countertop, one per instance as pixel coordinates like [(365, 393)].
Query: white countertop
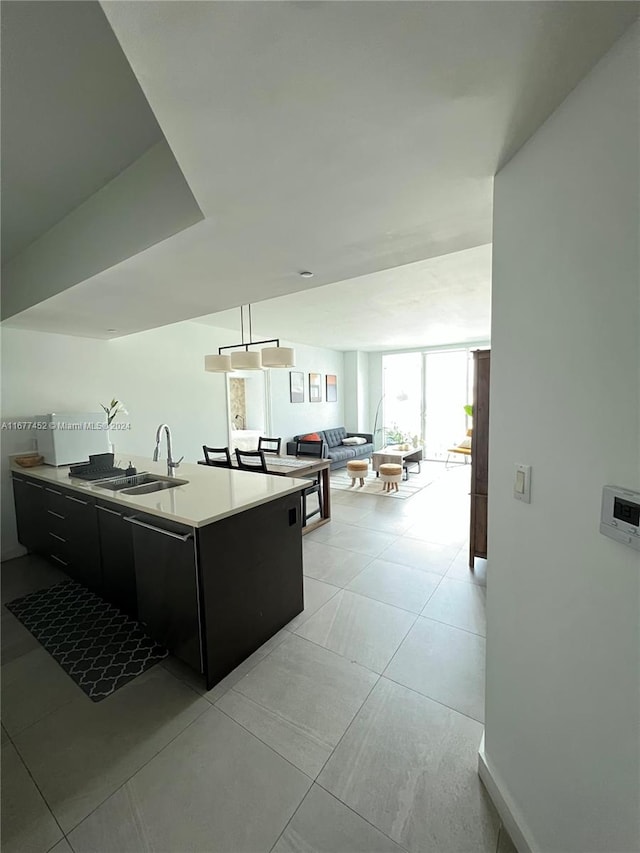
[(210, 494)]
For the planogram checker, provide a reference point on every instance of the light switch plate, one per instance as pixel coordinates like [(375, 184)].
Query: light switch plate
[(522, 483)]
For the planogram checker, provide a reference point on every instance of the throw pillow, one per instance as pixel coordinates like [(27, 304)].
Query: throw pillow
[(354, 439), (313, 436)]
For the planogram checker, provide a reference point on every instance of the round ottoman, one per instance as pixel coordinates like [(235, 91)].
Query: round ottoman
[(357, 469), (390, 474)]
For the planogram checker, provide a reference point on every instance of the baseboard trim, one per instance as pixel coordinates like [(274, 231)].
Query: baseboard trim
[(509, 814), (13, 553)]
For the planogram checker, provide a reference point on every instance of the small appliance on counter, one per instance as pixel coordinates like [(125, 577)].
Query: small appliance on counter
[(99, 467), (65, 438)]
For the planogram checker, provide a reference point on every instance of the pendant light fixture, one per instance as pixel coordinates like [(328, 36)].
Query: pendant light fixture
[(278, 356), (246, 359), (218, 364)]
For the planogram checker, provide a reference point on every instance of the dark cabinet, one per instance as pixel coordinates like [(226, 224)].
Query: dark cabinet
[(167, 585), (63, 528), (480, 456), (251, 576), (211, 595), (29, 498), (71, 533), (116, 551), (83, 542)]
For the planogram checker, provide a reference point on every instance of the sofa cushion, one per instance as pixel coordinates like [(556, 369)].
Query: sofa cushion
[(312, 436), (354, 440), (334, 436), (338, 454)]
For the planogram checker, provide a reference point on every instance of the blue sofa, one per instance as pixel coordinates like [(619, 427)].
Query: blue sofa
[(334, 449)]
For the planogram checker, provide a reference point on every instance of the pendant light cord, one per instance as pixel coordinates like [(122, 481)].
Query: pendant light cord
[(251, 342), (246, 345)]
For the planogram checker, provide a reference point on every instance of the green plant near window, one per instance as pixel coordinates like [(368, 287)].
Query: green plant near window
[(469, 410), (394, 435)]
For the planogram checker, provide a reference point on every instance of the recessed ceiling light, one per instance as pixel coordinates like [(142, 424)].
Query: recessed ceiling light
[(112, 330), (306, 274)]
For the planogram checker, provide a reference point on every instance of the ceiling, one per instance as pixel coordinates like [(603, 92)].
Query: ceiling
[(428, 303), (344, 138), (73, 114)]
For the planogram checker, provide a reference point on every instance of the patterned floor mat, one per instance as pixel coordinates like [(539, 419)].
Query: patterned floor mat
[(95, 643)]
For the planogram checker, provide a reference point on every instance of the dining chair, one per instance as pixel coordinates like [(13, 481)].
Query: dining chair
[(307, 447), (315, 449), (251, 460), (269, 445), (222, 459)]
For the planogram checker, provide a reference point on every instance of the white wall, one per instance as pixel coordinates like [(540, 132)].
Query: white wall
[(146, 203), (159, 375), (356, 398), (351, 389), (362, 367), (289, 419), (376, 390), (562, 734)]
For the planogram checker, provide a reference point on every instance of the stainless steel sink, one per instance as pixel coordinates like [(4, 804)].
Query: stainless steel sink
[(157, 485), (141, 484), (120, 483)]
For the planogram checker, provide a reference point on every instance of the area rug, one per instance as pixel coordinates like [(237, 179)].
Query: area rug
[(96, 644), (429, 472)]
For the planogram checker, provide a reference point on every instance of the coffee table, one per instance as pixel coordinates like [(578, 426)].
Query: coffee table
[(401, 457)]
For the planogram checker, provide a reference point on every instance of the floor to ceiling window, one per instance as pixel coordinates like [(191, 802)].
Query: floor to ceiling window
[(424, 398), (403, 397)]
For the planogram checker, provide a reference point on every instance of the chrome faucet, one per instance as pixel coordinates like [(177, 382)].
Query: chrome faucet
[(170, 463)]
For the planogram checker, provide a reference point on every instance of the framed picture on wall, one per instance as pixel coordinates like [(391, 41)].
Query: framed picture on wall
[(315, 388), (332, 388), (296, 386)]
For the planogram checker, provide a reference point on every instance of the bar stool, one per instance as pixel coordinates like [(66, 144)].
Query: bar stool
[(310, 448), (357, 469), (391, 475)]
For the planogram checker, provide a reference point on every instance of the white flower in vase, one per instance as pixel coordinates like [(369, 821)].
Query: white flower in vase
[(115, 408)]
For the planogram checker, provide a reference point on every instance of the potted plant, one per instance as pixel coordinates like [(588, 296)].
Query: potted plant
[(395, 436), (114, 409)]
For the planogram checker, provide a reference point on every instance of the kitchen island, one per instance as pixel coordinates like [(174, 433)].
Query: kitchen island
[(212, 567)]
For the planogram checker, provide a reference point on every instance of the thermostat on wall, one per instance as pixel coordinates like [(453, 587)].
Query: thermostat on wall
[(620, 517)]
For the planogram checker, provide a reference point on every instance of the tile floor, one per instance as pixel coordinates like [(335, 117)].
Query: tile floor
[(355, 728)]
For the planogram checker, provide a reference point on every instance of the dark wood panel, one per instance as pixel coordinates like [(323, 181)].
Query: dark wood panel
[(251, 580), (116, 551), (56, 504), (479, 525), (480, 455), (29, 498), (62, 527), (167, 585)]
